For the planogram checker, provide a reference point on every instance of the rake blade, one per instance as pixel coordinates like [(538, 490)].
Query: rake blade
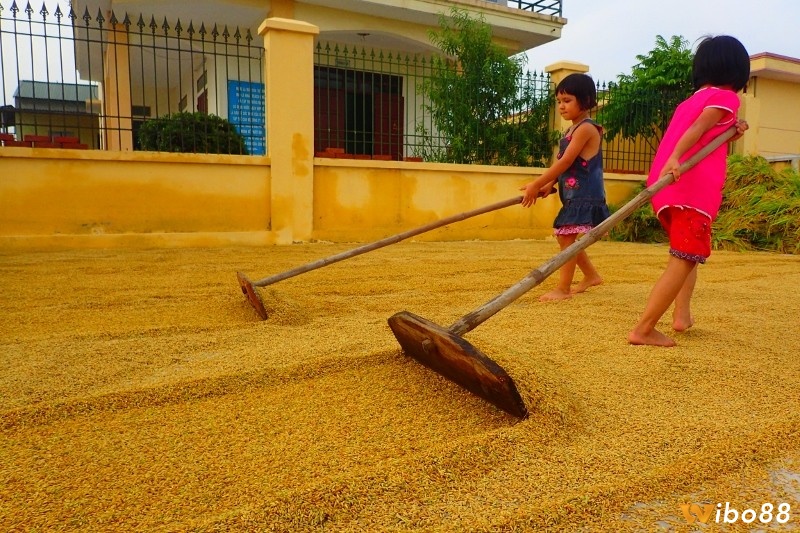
[(252, 295), (457, 360)]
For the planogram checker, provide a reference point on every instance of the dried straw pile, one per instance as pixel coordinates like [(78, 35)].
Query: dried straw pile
[(140, 392)]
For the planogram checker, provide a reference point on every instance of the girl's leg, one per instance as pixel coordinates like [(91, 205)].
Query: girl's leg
[(590, 275), (681, 313), (664, 292), (565, 273)]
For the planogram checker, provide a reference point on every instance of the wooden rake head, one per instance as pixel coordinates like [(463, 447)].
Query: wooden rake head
[(252, 295), (457, 360)]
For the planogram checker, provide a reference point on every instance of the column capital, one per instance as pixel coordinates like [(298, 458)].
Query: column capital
[(281, 24)]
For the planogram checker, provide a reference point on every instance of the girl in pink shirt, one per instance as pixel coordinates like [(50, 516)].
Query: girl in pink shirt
[(686, 208)]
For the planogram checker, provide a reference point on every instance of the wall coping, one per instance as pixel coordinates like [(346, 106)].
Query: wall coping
[(157, 157), (277, 23)]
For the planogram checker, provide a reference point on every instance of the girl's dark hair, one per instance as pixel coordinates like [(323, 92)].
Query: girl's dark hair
[(581, 86), (721, 60)]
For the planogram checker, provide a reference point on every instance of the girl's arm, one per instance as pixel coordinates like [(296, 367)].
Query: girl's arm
[(710, 117), (580, 137)]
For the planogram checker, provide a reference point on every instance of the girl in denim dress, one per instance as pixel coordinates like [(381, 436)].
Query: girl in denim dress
[(578, 169)]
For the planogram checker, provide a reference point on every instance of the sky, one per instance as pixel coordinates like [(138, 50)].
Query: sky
[(607, 35)]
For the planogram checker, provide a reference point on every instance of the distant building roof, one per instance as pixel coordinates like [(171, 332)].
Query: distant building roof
[(67, 92), (775, 66)]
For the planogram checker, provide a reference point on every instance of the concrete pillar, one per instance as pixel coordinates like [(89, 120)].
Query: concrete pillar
[(117, 124), (289, 47)]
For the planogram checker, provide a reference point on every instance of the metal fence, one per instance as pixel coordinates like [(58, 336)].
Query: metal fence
[(634, 121), (95, 81), (370, 104), (545, 7)]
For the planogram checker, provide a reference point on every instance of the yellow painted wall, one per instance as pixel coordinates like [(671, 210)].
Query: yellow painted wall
[(52, 196), (777, 130), (365, 201)]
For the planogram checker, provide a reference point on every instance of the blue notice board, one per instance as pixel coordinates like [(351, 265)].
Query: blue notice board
[(246, 113)]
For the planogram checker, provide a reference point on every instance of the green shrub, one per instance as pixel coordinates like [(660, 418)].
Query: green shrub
[(192, 133), (760, 211), (760, 208)]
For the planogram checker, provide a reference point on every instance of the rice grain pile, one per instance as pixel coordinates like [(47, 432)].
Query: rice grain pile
[(140, 392)]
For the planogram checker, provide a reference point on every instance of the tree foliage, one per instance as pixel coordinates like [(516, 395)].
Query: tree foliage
[(641, 104), (193, 133), (480, 106)]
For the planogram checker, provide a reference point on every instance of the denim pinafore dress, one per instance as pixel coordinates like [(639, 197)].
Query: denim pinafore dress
[(580, 188)]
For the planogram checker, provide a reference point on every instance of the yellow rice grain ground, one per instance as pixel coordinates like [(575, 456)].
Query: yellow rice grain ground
[(141, 392)]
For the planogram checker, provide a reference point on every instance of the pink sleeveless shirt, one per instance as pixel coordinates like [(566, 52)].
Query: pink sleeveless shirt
[(699, 188)]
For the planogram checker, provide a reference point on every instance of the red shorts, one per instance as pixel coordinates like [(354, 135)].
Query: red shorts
[(689, 233)]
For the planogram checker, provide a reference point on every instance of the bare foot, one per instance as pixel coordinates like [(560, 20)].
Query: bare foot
[(682, 323), (586, 283), (555, 295), (652, 338)]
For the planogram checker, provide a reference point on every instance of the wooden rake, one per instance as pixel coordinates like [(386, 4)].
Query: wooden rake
[(249, 287), (444, 350)]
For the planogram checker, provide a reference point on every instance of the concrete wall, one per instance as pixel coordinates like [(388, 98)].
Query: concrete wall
[(54, 197), (355, 200), (62, 198), (775, 129), (769, 105)]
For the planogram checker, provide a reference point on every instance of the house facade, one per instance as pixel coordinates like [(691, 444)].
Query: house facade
[(60, 109), (773, 88)]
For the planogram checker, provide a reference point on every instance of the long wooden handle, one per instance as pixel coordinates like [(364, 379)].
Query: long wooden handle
[(536, 276), (385, 242)]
